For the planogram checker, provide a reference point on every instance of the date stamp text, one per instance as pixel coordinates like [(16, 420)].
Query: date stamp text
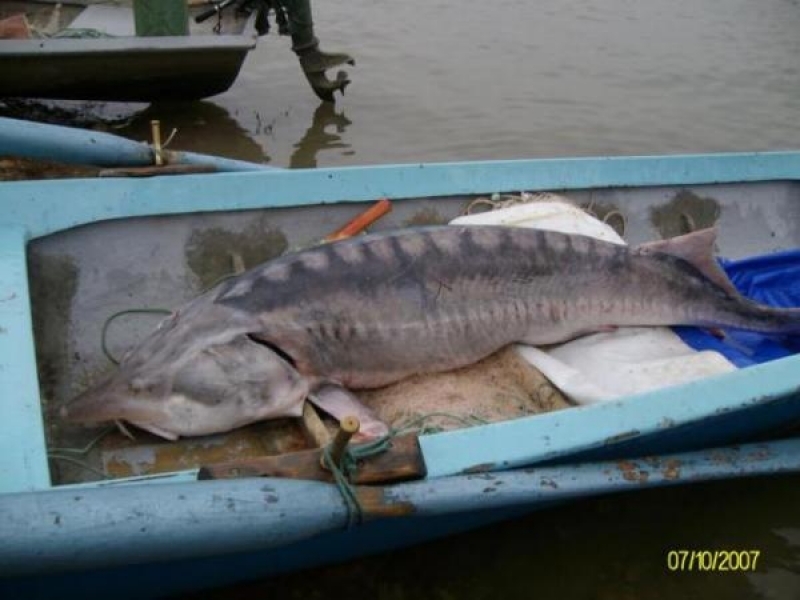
[(713, 560)]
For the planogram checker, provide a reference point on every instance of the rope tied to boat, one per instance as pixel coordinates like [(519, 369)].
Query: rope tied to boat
[(344, 471), (71, 455)]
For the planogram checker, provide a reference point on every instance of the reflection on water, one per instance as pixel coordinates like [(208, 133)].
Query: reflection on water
[(781, 577), (319, 136), (196, 122)]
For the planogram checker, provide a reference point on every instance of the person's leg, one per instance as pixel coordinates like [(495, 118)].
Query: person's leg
[(313, 61)]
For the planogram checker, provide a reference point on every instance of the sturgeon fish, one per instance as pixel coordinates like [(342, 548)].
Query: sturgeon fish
[(369, 311)]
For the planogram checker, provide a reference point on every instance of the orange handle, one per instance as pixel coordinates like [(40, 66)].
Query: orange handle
[(362, 221)]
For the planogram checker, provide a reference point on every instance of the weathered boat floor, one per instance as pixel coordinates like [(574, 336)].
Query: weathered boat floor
[(81, 277)]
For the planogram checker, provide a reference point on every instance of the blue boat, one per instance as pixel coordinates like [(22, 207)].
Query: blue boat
[(75, 146), (75, 251)]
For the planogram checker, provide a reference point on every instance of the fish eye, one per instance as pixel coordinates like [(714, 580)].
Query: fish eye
[(140, 385)]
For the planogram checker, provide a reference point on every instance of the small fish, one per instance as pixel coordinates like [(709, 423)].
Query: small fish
[(370, 311)]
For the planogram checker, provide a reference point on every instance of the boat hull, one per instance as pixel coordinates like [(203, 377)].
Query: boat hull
[(232, 532), (122, 69), (112, 63)]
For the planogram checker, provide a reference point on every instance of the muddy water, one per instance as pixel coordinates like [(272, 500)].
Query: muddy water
[(472, 80)]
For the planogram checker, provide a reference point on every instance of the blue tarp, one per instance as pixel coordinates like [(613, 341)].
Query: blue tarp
[(772, 279)]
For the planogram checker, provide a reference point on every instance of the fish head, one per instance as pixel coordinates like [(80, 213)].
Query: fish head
[(176, 385)]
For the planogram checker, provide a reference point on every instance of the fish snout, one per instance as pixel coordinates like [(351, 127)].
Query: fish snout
[(87, 407), (104, 402)]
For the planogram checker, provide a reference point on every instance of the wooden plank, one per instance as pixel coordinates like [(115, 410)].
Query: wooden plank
[(147, 455), (313, 427), (401, 462)]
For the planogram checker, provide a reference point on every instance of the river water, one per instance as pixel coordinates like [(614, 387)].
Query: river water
[(442, 80), (439, 80)]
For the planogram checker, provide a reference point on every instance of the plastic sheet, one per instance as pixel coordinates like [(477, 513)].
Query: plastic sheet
[(772, 279)]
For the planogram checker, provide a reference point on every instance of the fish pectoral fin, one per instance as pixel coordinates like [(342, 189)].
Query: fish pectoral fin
[(155, 430), (697, 249), (340, 403)]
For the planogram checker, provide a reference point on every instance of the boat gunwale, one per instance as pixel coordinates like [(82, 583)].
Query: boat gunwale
[(72, 48), (43, 212), (58, 47), (57, 532), (244, 40)]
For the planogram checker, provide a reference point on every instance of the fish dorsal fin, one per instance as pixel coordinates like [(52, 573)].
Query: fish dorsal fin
[(696, 248)]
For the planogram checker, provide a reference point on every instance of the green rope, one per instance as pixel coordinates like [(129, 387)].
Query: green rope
[(355, 512), (79, 463), (63, 454), (88, 447), (152, 311), (343, 473), (129, 311), (412, 425)]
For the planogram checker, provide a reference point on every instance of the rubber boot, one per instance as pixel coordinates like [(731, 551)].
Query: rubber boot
[(314, 61)]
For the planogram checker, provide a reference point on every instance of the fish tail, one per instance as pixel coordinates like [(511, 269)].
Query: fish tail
[(765, 319)]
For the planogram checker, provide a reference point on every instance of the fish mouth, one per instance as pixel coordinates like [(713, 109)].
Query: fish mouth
[(155, 430)]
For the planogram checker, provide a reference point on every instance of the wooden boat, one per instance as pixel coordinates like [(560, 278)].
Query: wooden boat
[(76, 251), (119, 66)]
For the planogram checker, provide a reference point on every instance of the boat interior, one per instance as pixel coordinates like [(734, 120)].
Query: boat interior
[(85, 280), (108, 18)]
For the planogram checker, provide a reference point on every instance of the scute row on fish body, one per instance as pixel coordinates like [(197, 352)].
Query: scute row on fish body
[(370, 311)]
